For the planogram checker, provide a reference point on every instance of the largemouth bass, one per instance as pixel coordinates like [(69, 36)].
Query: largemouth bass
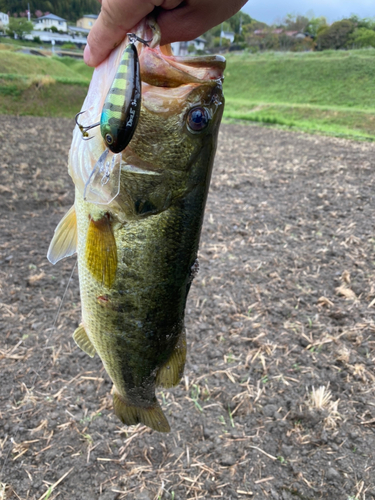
[(137, 254)]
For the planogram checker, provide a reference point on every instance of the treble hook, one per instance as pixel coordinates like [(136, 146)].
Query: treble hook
[(83, 129), (133, 37)]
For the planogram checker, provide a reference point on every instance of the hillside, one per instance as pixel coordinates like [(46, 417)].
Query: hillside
[(42, 86), (331, 92), (59, 68)]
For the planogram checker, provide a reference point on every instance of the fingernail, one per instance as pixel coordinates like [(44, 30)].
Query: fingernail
[(87, 54)]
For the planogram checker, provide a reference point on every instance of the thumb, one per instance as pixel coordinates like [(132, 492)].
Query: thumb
[(116, 19)]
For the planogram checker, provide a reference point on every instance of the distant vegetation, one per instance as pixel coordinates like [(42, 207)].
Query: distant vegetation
[(70, 10), (294, 33)]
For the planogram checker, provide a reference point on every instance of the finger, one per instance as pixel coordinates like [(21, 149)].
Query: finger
[(116, 18)]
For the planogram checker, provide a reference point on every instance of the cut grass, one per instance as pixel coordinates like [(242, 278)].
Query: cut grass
[(40, 97), (330, 92), (355, 123), (346, 80)]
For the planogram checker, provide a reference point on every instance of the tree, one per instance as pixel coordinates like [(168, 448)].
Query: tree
[(335, 36), (19, 26), (237, 21), (362, 38), (316, 25), (366, 22), (294, 22), (67, 9)]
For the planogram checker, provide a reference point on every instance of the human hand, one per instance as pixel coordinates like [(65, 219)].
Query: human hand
[(178, 20)]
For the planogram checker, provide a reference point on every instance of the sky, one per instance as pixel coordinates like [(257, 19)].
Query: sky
[(269, 11)]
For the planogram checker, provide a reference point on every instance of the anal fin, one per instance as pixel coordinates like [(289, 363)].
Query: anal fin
[(152, 416), (82, 340), (64, 241), (171, 372), (101, 250)]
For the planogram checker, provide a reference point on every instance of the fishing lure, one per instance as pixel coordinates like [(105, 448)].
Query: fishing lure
[(122, 105), (118, 121)]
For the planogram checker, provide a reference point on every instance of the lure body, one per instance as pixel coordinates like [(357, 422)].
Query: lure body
[(122, 105)]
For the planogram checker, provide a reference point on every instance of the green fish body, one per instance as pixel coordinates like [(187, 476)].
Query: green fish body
[(137, 256)]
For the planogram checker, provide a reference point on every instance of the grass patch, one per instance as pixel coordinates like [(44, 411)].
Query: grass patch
[(77, 66), (18, 44), (309, 78), (26, 65), (40, 97), (359, 124), (330, 92)]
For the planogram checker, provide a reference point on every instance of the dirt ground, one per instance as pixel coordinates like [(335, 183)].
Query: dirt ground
[(278, 397)]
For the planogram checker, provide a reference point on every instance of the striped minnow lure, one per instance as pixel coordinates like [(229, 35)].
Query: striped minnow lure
[(118, 122), (122, 105)]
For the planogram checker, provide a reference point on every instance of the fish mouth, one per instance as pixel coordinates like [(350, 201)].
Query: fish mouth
[(160, 68)]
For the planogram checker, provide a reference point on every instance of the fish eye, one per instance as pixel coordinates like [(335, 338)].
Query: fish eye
[(108, 139), (198, 119)]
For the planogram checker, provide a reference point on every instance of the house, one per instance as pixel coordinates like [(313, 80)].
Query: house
[(87, 22), (229, 35), (291, 34), (199, 43), (182, 48), (50, 20), (266, 32), (4, 20)]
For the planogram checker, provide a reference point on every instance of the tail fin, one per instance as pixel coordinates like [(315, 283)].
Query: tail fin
[(153, 416)]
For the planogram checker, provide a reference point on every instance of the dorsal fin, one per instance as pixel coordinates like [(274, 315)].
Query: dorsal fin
[(64, 241), (101, 250)]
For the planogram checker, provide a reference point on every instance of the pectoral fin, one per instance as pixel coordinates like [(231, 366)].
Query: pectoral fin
[(171, 372), (82, 340), (153, 416), (101, 250), (64, 241)]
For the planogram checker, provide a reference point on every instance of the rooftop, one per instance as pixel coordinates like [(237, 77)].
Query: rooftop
[(51, 16)]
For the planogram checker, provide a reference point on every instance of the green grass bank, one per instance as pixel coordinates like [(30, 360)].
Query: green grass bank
[(41, 86), (331, 92)]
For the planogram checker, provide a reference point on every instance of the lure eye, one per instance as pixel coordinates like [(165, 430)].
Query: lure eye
[(108, 139), (198, 119)]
